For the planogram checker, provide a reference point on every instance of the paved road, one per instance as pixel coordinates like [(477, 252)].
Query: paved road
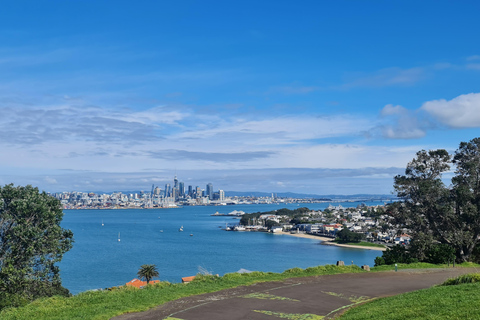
[(312, 297)]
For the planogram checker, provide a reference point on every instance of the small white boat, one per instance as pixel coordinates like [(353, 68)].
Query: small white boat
[(102, 223), (181, 229), (119, 237)]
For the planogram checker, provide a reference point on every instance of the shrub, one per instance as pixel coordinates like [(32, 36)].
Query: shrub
[(398, 254), (466, 278), (379, 261)]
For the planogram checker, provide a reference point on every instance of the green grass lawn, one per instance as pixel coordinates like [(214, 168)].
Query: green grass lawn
[(442, 302), (363, 244), (106, 304)]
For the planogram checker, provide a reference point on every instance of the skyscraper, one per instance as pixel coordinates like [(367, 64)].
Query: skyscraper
[(181, 189), (209, 191), (167, 190)]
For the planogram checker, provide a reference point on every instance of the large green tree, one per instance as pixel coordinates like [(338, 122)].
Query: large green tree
[(31, 242), (436, 212)]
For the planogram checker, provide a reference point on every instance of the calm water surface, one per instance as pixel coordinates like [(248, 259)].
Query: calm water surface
[(99, 260)]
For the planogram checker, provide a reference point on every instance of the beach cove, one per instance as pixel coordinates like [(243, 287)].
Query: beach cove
[(329, 241)]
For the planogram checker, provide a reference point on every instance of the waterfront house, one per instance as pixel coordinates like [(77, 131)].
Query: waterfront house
[(139, 283), (187, 279), (276, 229)]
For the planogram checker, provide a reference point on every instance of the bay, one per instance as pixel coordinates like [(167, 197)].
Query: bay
[(151, 236)]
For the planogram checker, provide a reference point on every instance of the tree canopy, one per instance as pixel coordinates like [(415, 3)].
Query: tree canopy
[(31, 242), (434, 212), (147, 272)]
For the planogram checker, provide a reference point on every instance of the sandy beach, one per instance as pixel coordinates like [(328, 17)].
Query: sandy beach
[(329, 241)]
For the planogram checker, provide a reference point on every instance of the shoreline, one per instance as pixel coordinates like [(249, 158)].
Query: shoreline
[(329, 241)]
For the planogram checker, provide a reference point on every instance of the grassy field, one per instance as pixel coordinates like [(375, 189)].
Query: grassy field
[(363, 244), (441, 302), (106, 304)]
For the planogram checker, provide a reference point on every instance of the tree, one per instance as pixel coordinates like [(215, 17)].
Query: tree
[(147, 272), (31, 242), (345, 235), (431, 210)]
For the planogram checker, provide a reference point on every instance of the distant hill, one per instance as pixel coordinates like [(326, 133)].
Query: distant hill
[(311, 196)]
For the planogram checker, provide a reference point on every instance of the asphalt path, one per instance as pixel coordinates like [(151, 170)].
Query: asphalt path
[(312, 298)]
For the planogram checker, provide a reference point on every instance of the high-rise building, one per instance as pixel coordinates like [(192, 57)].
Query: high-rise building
[(198, 192), (181, 189), (190, 191), (209, 191), (167, 190)]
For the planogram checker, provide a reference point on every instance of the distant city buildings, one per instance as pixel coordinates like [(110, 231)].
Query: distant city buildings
[(170, 196)]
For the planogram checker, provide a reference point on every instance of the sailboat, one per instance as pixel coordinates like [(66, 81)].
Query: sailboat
[(102, 223), (119, 237), (181, 229)]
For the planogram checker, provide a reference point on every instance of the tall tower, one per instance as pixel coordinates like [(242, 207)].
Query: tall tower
[(181, 189), (190, 191), (167, 190), (209, 191)]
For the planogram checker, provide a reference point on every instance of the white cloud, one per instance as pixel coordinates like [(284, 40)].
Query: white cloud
[(473, 66), (390, 109), (473, 58), (388, 77), (50, 180), (400, 123), (460, 112)]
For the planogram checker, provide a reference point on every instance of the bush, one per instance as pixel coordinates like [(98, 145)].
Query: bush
[(398, 254), (466, 278), (345, 235), (379, 261)]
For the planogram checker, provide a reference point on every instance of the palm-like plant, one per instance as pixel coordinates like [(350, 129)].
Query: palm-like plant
[(147, 272)]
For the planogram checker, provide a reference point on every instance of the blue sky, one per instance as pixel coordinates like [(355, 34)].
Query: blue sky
[(322, 97)]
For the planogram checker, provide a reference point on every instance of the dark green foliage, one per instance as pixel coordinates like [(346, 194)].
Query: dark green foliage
[(448, 215), (397, 254), (379, 261), (345, 235), (147, 272), (31, 242), (465, 278), (297, 213), (270, 223), (427, 250)]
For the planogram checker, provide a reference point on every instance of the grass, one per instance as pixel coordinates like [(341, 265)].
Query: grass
[(362, 244), (440, 302), (422, 265), (106, 304)]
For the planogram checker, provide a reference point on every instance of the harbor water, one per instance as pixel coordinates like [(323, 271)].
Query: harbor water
[(111, 245)]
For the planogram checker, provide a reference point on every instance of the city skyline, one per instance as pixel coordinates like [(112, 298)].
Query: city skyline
[(275, 96)]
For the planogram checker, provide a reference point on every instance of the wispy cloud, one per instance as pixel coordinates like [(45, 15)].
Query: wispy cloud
[(386, 77), (401, 123), (473, 58), (217, 157), (473, 66)]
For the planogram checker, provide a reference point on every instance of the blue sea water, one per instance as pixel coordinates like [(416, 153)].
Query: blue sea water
[(151, 236)]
